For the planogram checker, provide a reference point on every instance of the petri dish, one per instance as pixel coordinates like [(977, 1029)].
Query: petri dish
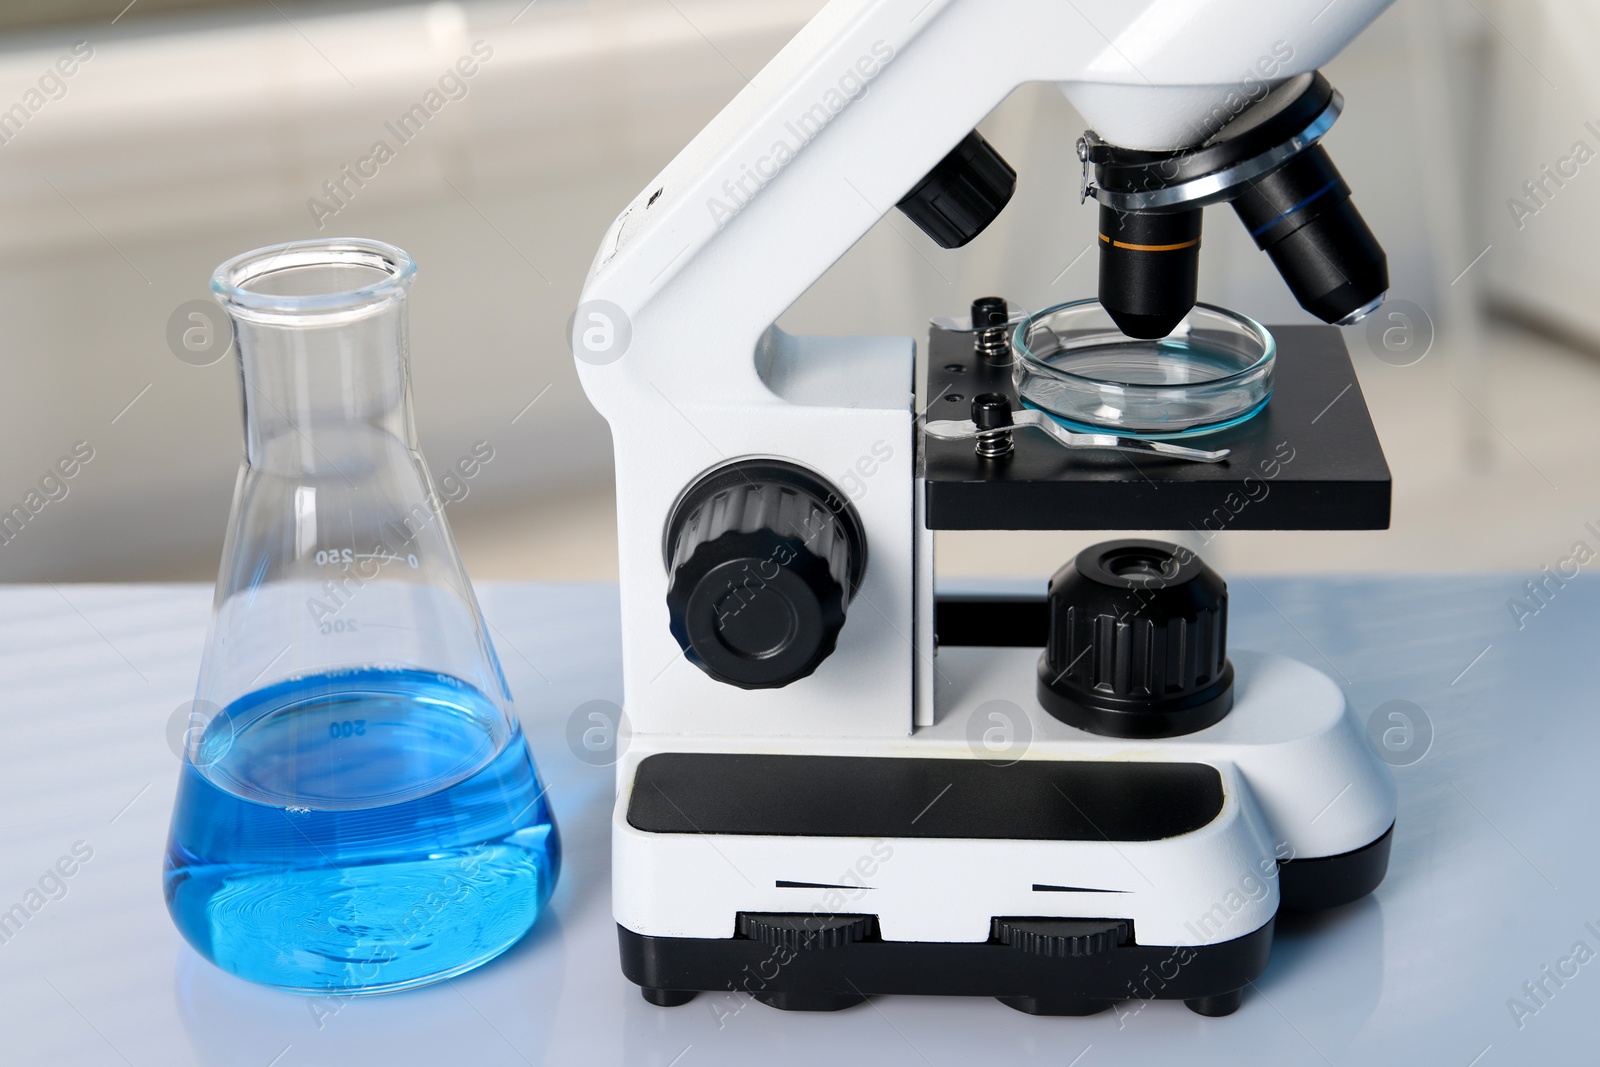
[(1213, 372)]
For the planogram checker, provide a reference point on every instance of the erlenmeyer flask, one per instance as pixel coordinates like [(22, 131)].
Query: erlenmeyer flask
[(361, 812)]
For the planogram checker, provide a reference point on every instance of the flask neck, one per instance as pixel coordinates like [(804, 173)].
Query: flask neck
[(321, 333), (310, 381)]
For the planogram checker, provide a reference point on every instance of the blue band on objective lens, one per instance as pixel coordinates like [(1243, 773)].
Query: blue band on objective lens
[(1258, 231)]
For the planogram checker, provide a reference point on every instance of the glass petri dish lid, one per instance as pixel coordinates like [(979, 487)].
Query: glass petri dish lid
[(1212, 372)]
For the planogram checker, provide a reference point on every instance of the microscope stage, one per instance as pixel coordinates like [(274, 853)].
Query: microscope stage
[(1309, 461)]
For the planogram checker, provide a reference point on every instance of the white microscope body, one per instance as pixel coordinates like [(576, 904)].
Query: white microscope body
[(677, 348)]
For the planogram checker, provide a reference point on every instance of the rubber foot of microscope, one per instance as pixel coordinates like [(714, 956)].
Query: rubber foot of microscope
[(1217, 1006), (666, 998), (1056, 1005), (809, 1001)]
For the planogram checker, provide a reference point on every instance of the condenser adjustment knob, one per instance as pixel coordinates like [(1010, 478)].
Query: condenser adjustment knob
[(763, 558), (1138, 642)]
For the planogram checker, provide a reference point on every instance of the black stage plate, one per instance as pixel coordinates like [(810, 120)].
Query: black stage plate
[(1310, 461)]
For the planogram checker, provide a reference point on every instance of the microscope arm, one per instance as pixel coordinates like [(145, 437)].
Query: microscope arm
[(698, 383)]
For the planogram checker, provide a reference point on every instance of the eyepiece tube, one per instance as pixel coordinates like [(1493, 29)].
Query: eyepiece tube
[(1302, 216), (1149, 268)]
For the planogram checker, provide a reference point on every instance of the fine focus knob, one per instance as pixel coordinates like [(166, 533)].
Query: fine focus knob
[(960, 196), (1138, 642), (764, 557)]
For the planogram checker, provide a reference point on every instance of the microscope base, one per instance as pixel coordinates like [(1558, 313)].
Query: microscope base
[(811, 874), (1209, 978)]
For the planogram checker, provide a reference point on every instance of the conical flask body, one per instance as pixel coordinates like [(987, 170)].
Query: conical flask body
[(358, 810)]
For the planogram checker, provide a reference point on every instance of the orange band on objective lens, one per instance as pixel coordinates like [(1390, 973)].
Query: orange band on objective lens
[(1149, 248)]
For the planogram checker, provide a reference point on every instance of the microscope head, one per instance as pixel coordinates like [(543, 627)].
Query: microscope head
[(1265, 159), (1267, 162)]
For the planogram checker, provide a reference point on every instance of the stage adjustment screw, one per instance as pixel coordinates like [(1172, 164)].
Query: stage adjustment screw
[(991, 414), (990, 317)]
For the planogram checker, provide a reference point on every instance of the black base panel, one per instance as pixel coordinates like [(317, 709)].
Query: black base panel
[(1337, 478), (1208, 976), (1329, 881), (907, 796)]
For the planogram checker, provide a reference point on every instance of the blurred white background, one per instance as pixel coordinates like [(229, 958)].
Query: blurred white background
[(189, 135)]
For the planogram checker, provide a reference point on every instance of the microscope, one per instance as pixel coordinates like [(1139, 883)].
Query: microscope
[(838, 783)]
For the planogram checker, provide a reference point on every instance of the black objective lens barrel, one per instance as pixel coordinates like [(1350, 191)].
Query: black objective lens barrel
[(1149, 268), (1302, 216)]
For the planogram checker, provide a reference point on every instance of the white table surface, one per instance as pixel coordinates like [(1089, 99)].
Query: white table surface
[(1494, 873)]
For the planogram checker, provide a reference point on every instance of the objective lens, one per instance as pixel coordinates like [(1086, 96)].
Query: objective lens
[(1149, 268), (1302, 216)]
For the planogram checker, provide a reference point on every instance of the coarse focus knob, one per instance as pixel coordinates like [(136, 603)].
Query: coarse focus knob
[(763, 557), (1138, 642)]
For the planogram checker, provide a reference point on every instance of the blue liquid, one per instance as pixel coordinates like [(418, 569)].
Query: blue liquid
[(359, 832)]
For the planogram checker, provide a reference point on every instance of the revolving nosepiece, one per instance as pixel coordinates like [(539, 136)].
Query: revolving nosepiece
[(1268, 163)]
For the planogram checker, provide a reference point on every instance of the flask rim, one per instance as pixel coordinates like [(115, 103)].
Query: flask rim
[(231, 282)]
